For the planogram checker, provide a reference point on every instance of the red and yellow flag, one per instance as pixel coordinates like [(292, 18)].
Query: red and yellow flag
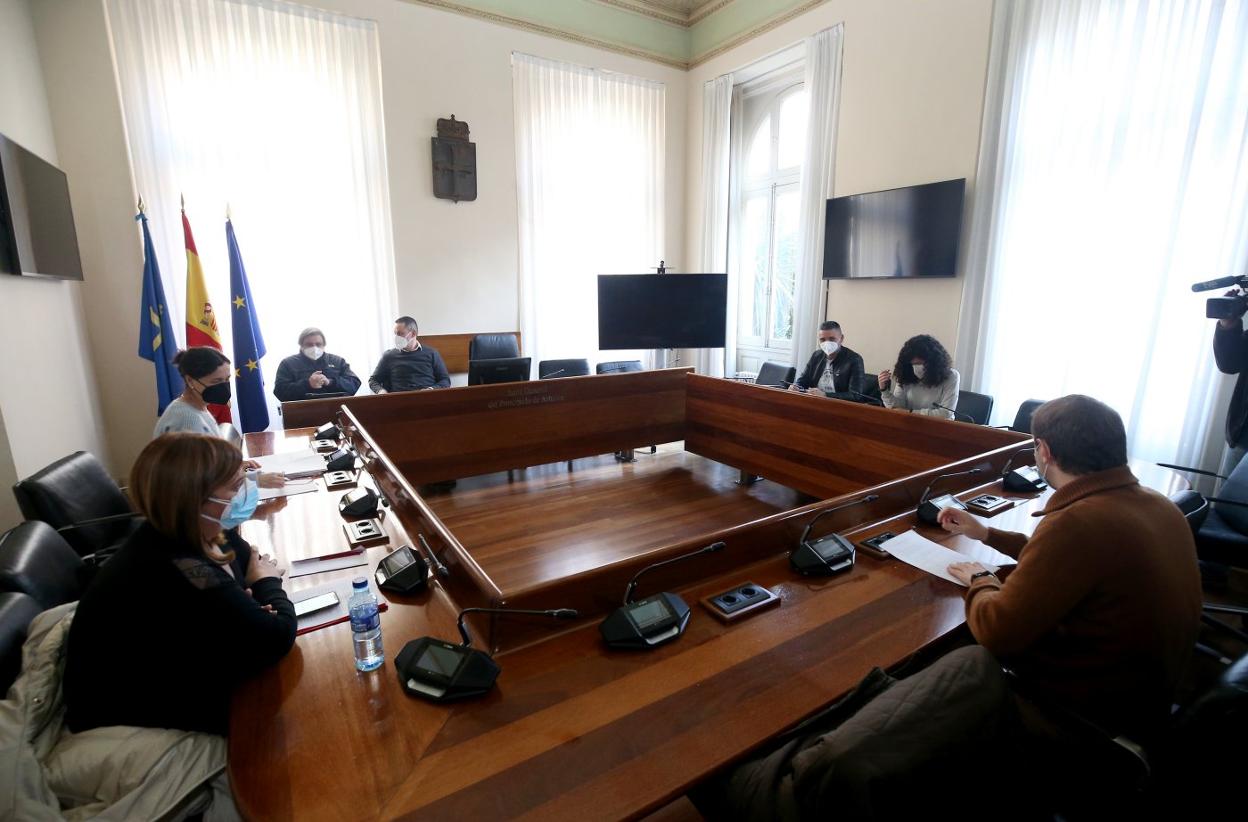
[(201, 322)]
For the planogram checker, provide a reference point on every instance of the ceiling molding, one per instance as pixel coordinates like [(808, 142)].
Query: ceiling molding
[(750, 34)]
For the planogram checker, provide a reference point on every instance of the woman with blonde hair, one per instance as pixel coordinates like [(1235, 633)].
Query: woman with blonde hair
[(186, 610)]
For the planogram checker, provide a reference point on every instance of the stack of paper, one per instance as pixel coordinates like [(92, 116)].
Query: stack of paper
[(922, 553), (294, 464)]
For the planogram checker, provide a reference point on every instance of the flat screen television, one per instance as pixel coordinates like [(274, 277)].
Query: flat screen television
[(910, 232), (37, 235), (662, 311)]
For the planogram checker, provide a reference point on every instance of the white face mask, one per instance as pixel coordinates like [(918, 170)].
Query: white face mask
[(919, 371), (400, 342), (313, 352), (830, 347)]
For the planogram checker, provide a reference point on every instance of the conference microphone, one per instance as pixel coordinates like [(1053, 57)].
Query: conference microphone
[(955, 412), (1025, 480), (553, 373), (441, 671), (867, 397), (827, 555), (652, 621), (437, 564), (929, 510), (1220, 282)]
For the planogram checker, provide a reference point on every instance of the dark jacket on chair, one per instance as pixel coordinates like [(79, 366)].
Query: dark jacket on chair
[(1230, 352), (163, 636), (847, 371)]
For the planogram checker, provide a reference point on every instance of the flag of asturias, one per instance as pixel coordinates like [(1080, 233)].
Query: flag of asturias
[(201, 323), (253, 410), (156, 342)]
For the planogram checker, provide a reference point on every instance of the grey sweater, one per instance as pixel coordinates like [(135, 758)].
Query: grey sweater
[(918, 398), (182, 416)]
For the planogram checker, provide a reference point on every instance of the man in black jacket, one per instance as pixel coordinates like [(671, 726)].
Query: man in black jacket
[(1230, 352), (312, 372), (833, 370), (409, 366)]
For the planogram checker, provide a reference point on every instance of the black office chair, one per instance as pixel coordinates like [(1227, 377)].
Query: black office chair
[(35, 560), (1022, 420), (773, 373), (77, 497), (976, 406), (618, 366), (551, 369), (493, 347), (16, 612), (868, 384)]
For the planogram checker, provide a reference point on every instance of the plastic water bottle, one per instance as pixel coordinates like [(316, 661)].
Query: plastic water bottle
[(365, 626)]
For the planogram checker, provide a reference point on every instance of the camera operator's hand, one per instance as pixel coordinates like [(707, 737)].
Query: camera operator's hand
[(1232, 322)]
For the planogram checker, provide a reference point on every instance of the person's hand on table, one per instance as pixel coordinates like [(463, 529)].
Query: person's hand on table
[(957, 521), (797, 388), (271, 479), (963, 571)]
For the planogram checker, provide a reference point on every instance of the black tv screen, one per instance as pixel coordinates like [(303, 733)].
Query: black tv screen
[(37, 235), (662, 311), (902, 232)]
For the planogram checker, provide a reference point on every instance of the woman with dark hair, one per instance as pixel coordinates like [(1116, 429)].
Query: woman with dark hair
[(185, 610), (923, 380)]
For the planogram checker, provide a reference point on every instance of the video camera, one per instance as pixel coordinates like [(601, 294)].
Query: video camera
[(1224, 308)]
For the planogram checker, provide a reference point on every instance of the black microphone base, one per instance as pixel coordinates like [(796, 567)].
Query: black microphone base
[(622, 629), (929, 511), (424, 663), (823, 557), (1024, 481)]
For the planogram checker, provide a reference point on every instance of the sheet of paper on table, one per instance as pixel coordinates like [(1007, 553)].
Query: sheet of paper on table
[(292, 487), (919, 551), (305, 463)]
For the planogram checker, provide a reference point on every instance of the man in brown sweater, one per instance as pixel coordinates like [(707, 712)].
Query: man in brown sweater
[(1102, 611)]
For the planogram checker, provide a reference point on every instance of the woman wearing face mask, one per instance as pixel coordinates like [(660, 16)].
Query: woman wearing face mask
[(923, 379), (185, 610), (206, 376)]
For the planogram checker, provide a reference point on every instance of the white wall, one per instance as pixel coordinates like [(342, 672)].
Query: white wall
[(456, 264), (48, 398), (911, 104)]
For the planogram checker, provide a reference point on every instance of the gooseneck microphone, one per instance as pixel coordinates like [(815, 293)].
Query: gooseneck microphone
[(932, 484), (553, 373), (1220, 282), (437, 564), (554, 613), (954, 411), (827, 555), (929, 510), (632, 583), (867, 397), (1025, 480)]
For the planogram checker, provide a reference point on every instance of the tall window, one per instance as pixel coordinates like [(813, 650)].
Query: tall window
[(770, 168)]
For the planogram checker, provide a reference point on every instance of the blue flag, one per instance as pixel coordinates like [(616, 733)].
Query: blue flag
[(253, 410), (156, 342)]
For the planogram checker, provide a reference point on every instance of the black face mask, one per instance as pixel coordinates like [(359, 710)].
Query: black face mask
[(218, 394)]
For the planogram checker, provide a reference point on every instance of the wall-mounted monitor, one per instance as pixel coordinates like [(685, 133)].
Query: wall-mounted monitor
[(662, 311), (37, 236), (910, 232)]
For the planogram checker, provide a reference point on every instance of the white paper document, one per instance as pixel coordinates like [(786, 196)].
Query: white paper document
[(305, 463), (922, 553), (292, 487)]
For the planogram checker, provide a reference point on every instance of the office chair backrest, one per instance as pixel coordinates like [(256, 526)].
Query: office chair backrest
[(16, 612), (869, 385), (617, 366), (37, 561), (773, 373), (493, 347), (1022, 420), (547, 369), (976, 406), (1206, 748), (1235, 487), (74, 489), (1194, 507)]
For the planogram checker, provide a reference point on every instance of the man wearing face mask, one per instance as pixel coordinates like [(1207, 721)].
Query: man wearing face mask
[(312, 372), (1101, 613), (409, 366), (833, 370)]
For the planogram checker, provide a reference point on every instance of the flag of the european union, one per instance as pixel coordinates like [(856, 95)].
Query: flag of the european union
[(253, 410), (156, 342)]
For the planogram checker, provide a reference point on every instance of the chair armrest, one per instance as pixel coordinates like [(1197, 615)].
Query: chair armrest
[(98, 521)]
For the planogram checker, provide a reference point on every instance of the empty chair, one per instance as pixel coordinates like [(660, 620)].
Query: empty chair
[(618, 366), (869, 385), (773, 373), (549, 369), (72, 492), (35, 560), (493, 347), (16, 612), (1022, 420), (977, 406)]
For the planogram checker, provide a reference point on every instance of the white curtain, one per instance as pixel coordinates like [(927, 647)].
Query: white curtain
[(590, 186), (1113, 174), (274, 110), (823, 84), (716, 152)]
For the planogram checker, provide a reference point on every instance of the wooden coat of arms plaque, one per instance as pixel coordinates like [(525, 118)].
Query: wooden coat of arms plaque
[(454, 162)]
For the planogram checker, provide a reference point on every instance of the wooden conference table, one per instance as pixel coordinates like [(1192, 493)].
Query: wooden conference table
[(574, 730)]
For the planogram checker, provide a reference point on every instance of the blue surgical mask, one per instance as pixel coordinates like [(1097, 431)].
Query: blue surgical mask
[(240, 507)]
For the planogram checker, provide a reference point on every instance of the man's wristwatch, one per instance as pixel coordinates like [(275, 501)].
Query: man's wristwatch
[(979, 574)]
